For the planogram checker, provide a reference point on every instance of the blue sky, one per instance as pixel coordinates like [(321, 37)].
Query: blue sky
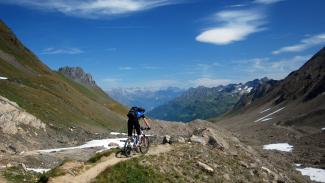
[(161, 43)]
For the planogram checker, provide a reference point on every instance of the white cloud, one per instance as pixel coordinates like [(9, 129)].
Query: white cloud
[(267, 1), (303, 45), (208, 82), (236, 25), (92, 8), (53, 51), (127, 68)]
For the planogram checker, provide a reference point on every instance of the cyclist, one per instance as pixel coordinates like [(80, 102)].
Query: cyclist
[(134, 114)]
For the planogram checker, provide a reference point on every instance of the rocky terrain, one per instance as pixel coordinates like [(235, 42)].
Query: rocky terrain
[(194, 152)]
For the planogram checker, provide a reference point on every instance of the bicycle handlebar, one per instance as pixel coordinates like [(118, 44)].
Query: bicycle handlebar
[(142, 128)]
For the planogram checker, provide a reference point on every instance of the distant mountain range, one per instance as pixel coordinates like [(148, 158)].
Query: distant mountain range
[(203, 102), (149, 99)]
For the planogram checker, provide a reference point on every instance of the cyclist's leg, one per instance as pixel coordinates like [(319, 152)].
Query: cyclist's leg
[(137, 128), (130, 128)]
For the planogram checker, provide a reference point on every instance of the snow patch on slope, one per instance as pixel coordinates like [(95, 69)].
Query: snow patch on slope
[(285, 147), (94, 143), (314, 174), (3, 78)]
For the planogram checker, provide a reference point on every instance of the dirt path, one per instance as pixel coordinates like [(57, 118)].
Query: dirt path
[(93, 172), (2, 180)]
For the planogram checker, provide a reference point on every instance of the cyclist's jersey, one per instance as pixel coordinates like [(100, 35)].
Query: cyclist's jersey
[(140, 115)]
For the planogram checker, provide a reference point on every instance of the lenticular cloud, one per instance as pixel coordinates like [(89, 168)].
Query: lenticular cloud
[(234, 26)]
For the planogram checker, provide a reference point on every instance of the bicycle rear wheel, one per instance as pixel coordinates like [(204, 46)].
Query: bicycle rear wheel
[(144, 145)]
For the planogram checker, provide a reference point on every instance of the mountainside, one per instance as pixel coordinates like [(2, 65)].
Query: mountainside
[(203, 102), (291, 110), (149, 99), (54, 99)]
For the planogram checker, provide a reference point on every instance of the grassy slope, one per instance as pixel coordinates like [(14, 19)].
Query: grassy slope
[(49, 95)]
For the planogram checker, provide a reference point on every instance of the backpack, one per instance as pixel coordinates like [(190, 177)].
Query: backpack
[(132, 114)]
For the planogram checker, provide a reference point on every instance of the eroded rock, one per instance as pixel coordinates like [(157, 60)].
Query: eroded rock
[(11, 116)]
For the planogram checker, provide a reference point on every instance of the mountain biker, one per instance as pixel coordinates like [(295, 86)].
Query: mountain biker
[(134, 115)]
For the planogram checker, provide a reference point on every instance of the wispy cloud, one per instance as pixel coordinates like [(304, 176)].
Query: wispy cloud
[(267, 1), (276, 69), (93, 8), (149, 67), (303, 45), (235, 25), (53, 51), (126, 68)]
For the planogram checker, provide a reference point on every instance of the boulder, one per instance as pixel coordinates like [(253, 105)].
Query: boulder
[(167, 139), (208, 136), (198, 139), (205, 167), (181, 140)]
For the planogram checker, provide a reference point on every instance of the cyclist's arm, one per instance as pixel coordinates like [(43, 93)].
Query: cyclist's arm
[(146, 122)]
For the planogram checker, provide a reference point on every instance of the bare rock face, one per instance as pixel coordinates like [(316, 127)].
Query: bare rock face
[(12, 116), (78, 74)]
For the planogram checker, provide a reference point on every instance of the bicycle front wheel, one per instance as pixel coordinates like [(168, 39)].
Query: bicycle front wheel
[(144, 145), (127, 149)]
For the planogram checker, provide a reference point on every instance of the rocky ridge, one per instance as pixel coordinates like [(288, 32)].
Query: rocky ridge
[(78, 74)]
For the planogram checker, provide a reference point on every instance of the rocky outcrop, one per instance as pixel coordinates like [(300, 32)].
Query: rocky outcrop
[(209, 136), (12, 116), (79, 75)]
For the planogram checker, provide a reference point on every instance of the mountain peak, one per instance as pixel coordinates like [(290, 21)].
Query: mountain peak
[(78, 74)]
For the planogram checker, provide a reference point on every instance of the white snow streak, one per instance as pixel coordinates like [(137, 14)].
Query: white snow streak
[(314, 174), (270, 114), (265, 110), (38, 170), (280, 147), (323, 129), (3, 78), (266, 119)]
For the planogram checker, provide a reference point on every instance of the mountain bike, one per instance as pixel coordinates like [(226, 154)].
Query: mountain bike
[(135, 144)]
